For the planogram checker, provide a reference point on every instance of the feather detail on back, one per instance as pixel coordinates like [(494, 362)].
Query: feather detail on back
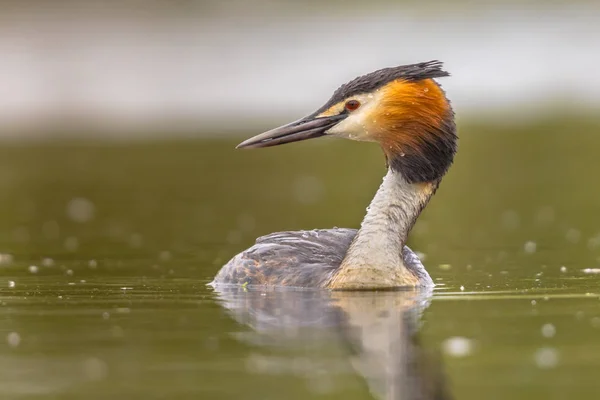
[(306, 259)]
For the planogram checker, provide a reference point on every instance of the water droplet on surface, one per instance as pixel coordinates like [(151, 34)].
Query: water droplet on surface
[(530, 247), (47, 262), (591, 270), (462, 288), (33, 269), (546, 357), (563, 269), (548, 330), (80, 210), (13, 339), (92, 264), (573, 235), (11, 284), (445, 267), (593, 242), (458, 346), (6, 259)]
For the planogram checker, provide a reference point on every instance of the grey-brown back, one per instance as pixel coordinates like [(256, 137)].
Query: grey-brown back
[(299, 259)]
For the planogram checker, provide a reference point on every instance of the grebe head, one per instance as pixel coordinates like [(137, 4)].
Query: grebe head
[(401, 108)]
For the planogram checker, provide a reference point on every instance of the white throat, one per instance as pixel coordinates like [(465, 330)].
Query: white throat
[(374, 259)]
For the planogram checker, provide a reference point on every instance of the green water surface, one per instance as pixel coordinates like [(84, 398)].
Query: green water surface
[(107, 249)]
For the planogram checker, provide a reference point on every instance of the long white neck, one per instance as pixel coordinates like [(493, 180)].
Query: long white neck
[(374, 259)]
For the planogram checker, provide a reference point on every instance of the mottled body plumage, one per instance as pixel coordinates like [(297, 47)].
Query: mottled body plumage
[(299, 259)]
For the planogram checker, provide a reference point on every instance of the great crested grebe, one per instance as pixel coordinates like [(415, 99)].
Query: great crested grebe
[(407, 113)]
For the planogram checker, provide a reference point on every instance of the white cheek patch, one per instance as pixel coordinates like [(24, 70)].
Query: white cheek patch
[(358, 125), (352, 127)]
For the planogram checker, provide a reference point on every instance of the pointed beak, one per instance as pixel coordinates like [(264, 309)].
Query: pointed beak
[(306, 128)]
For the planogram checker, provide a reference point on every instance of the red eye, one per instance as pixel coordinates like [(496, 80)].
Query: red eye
[(352, 105)]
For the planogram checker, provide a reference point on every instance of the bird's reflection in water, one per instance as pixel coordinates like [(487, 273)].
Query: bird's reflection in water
[(375, 332)]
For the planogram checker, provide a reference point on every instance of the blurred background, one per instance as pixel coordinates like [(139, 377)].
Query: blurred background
[(132, 68), (121, 194)]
